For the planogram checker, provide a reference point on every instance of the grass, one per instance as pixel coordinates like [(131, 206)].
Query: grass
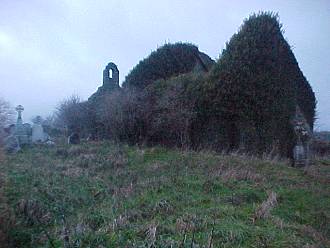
[(108, 195)]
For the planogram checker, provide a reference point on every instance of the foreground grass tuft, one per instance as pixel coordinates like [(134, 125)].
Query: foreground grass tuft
[(110, 195)]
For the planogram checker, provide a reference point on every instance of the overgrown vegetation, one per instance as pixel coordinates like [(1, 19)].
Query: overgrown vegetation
[(6, 117), (255, 87), (246, 101), (167, 61), (104, 194), (110, 195)]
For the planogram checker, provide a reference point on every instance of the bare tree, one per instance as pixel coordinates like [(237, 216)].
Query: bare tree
[(69, 114), (174, 113), (123, 116), (6, 113), (6, 117)]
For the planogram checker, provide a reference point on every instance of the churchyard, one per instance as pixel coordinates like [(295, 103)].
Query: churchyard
[(102, 194), (185, 152)]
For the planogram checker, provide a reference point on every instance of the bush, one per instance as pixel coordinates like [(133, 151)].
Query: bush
[(321, 147), (122, 116), (173, 110), (162, 113), (72, 115)]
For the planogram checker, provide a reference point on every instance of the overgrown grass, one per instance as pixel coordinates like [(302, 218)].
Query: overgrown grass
[(108, 195)]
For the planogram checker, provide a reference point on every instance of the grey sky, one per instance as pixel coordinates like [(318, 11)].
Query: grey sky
[(50, 50)]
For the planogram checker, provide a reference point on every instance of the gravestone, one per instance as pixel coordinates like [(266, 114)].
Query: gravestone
[(38, 134), (301, 150), (20, 134), (22, 131)]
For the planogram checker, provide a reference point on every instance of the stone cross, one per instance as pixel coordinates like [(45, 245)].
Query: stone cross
[(21, 132), (19, 110)]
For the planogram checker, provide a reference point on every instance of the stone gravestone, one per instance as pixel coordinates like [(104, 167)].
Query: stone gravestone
[(38, 134), (301, 151), (21, 130), (20, 134), (17, 135)]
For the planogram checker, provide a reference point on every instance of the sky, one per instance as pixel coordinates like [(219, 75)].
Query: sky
[(50, 50)]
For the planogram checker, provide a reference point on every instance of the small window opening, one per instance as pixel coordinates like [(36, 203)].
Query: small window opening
[(110, 73)]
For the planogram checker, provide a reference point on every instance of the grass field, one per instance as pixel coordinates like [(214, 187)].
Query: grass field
[(107, 195)]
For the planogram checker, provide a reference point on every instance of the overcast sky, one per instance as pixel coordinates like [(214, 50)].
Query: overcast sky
[(50, 50)]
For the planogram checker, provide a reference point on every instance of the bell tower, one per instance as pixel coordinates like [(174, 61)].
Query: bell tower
[(111, 76)]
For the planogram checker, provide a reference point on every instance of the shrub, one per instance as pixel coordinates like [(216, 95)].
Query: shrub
[(71, 115), (173, 112), (123, 115), (321, 147)]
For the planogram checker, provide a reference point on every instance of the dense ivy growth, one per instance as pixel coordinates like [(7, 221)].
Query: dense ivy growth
[(255, 86), (246, 101), (167, 61)]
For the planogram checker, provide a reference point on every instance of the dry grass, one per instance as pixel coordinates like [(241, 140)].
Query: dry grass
[(157, 166), (319, 238), (185, 224), (76, 150), (86, 160), (240, 174), (73, 172), (182, 226), (120, 222), (2, 155), (62, 152), (7, 217), (263, 211), (151, 233), (315, 172), (33, 212), (278, 222), (125, 191), (125, 197), (152, 182), (163, 206), (118, 160)]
